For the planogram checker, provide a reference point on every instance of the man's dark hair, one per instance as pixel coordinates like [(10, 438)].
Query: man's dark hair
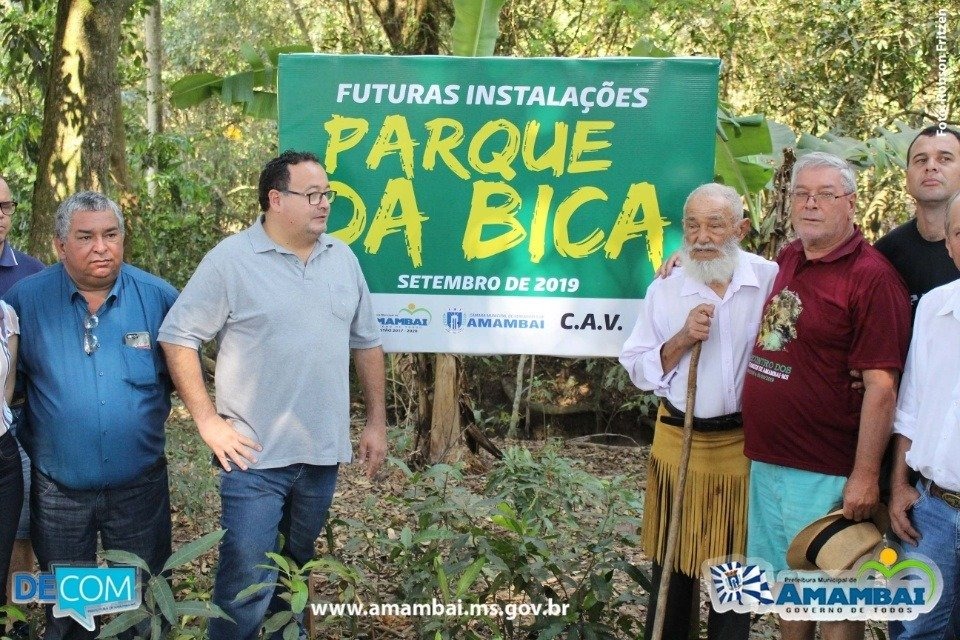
[(276, 174), (929, 132)]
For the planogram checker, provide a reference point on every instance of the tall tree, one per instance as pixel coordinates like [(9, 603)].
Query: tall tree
[(80, 116), (412, 26), (152, 28)]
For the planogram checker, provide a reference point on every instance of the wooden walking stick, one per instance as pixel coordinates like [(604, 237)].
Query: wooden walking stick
[(674, 526)]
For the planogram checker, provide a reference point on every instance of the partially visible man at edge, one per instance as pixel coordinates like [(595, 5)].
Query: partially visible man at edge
[(15, 266), (715, 298), (814, 442), (925, 511)]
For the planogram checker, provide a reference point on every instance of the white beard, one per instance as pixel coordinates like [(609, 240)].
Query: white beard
[(719, 270)]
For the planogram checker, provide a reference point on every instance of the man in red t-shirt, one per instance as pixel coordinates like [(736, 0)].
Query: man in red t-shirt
[(814, 442)]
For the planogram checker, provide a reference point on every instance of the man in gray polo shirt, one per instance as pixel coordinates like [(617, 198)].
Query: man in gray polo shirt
[(288, 303)]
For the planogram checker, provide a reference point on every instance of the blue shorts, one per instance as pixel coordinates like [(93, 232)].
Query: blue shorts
[(782, 502)]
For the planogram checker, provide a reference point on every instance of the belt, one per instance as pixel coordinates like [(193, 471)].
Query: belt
[(719, 423), (952, 498)]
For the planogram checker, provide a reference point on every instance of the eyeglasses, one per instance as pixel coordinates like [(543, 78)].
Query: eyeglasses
[(8, 207), (90, 340), (314, 197), (820, 198)]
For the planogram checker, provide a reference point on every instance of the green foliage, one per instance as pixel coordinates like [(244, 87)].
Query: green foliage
[(541, 528), (476, 27), (293, 583), (188, 213), (26, 30), (8, 615), (159, 606), (743, 155), (255, 89), (572, 28)]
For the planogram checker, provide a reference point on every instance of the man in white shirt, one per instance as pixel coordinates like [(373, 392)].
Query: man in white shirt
[(927, 428), (716, 297)]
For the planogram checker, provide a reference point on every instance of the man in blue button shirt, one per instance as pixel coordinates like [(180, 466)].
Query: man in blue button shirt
[(98, 394)]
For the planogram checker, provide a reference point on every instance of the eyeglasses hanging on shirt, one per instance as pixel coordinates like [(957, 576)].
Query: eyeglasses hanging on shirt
[(90, 339)]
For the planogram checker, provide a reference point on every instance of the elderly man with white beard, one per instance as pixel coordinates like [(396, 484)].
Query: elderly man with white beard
[(715, 298)]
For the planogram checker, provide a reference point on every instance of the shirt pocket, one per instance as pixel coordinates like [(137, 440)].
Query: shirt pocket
[(343, 301), (139, 366)]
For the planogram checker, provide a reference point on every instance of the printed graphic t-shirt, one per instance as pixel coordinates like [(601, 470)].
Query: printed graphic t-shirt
[(847, 310)]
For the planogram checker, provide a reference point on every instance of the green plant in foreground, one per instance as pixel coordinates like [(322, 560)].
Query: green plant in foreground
[(294, 583), (9, 614), (542, 528), (159, 607)]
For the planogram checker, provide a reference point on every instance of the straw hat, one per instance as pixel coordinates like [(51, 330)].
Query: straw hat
[(833, 543)]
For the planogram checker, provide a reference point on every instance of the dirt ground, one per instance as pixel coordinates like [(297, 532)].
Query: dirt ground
[(598, 459), (196, 503)]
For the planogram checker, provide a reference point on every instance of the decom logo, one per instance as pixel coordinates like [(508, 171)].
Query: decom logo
[(880, 587), (80, 592)]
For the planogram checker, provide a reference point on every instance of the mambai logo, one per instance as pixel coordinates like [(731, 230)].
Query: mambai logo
[(409, 319), (80, 592), (879, 587), (453, 320)]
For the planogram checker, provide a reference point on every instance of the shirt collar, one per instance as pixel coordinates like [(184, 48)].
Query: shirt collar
[(7, 257), (73, 293), (952, 304), (849, 246), (262, 243), (743, 276)]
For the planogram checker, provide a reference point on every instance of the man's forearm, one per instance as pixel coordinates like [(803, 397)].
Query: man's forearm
[(672, 351), (372, 373), (187, 376), (876, 421), (900, 474)]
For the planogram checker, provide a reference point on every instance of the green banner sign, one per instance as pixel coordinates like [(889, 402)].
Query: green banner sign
[(472, 185)]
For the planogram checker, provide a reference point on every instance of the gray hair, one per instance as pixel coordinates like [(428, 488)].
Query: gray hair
[(83, 201), (817, 159), (722, 192)]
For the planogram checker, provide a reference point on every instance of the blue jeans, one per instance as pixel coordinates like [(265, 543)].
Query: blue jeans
[(23, 527), (11, 494), (65, 523), (939, 526), (257, 505)]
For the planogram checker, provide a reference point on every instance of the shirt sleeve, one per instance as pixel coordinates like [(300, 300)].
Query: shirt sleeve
[(881, 323), (200, 311), (364, 330), (640, 355), (10, 321), (908, 404)]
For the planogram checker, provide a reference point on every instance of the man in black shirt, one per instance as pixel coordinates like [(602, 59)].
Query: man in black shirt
[(916, 248)]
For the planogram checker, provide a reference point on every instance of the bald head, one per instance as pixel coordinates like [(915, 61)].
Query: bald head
[(953, 229), (953, 212)]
